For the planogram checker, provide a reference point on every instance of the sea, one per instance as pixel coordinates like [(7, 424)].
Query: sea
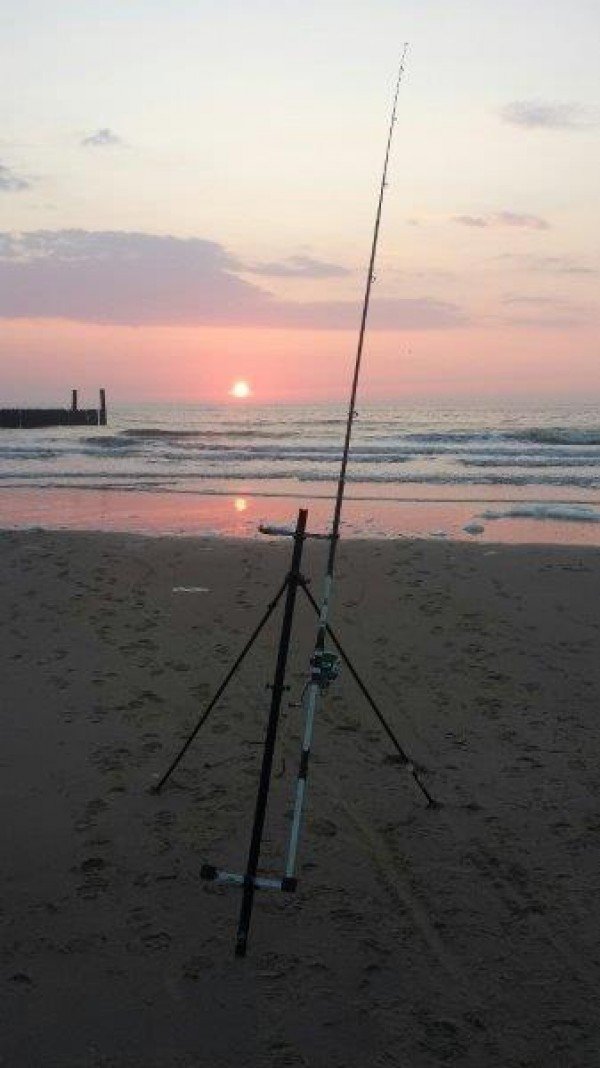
[(497, 472)]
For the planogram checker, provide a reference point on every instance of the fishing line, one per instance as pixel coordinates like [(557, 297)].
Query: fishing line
[(324, 665)]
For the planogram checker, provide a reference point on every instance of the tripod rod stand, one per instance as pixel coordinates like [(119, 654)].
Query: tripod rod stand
[(251, 880)]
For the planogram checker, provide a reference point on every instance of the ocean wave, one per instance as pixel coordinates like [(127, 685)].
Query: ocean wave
[(19, 452), (107, 442), (170, 476), (571, 512), (332, 456), (532, 435), (455, 436), (452, 479), (250, 432), (531, 461), (451, 442), (557, 436), (171, 448)]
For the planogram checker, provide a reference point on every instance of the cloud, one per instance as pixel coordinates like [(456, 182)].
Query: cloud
[(548, 264), (10, 182), (527, 222), (537, 114), (101, 138), (421, 313), (503, 218), (517, 298), (299, 267), (547, 312), (118, 277), (470, 220), (429, 274), (145, 279), (550, 322)]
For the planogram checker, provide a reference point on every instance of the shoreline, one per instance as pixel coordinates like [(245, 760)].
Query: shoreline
[(464, 934), (239, 514)]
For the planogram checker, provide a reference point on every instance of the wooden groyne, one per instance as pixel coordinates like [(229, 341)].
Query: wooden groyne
[(28, 418)]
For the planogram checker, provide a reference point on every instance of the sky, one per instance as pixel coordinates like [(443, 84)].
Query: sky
[(188, 191)]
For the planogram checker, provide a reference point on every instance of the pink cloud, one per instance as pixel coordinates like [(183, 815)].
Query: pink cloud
[(140, 279), (503, 218)]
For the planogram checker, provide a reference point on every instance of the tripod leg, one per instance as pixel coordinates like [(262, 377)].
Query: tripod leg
[(270, 738), (222, 687), (388, 730)]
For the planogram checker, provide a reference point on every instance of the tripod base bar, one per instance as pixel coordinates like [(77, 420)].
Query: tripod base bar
[(230, 878)]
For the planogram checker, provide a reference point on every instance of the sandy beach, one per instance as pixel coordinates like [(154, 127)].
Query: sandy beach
[(464, 935)]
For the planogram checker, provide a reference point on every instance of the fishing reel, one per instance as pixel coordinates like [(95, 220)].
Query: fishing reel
[(324, 668)]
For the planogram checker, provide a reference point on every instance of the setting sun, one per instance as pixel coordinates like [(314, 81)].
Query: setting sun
[(240, 390)]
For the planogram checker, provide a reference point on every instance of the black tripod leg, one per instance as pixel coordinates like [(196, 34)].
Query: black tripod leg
[(270, 738), (388, 730), (222, 687)]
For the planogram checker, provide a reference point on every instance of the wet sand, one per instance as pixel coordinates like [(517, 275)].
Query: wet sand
[(239, 514), (462, 935)]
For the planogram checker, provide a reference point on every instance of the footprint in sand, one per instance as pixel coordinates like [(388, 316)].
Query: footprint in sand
[(193, 970), (146, 938), (94, 883), (93, 809), (152, 743), (324, 828)]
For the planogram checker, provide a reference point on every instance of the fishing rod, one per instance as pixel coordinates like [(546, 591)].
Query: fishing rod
[(324, 665), (341, 486)]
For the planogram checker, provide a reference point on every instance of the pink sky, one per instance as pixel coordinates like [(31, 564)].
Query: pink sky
[(206, 213), (199, 365)]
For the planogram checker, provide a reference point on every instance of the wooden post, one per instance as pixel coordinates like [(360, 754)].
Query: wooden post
[(102, 407), (73, 400)]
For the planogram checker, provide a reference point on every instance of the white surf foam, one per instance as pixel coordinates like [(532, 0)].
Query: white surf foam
[(576, 513)]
